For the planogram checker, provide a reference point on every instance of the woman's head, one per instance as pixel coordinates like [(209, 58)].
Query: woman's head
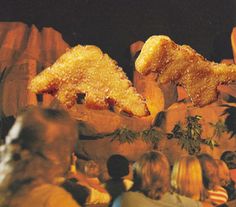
[(186, 177), (37, 148), (223, 172), (152, 174), (209, 171)]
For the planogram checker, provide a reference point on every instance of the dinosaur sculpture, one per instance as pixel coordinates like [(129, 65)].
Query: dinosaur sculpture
[(87, 70), (184, 66)]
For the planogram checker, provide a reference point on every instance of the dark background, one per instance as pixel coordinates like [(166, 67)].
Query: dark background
[(113, 25)]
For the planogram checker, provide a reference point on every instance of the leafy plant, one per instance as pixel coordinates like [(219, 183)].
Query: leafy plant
[(211, 143), (151, 135), (219, 128), (190, 137), (124, 135)]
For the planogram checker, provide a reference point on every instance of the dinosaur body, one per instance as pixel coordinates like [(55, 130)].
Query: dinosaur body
[(184, 66), (86, 70)]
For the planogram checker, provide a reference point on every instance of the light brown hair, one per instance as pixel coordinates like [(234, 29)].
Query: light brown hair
[(209, 171), (223, 172), (152, 175)]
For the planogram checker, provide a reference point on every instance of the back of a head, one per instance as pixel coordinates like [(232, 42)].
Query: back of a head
[(50, 133), (37, 149), (223, 172), (229, 157), (209, 171), (187, 173), (117, 166), (152, 175)]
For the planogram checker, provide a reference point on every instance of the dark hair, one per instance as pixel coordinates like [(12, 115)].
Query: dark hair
[(229, 157), (117, 166)]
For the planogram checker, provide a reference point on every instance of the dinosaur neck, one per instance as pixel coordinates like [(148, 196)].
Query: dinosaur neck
[(226, 73)]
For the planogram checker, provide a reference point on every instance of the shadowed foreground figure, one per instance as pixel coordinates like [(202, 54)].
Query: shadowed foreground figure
[(34, 159), (118, 168)]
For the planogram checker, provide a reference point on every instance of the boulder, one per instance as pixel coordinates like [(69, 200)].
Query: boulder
[(24, 52)]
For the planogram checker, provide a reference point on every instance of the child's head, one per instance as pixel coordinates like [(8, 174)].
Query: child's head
[(117, 166), (91, 169)]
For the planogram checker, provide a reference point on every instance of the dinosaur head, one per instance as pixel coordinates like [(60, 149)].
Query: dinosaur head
[(153, 56)]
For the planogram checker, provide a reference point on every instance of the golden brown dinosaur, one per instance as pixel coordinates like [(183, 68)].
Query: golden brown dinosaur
[(86, 70), (184, 66)]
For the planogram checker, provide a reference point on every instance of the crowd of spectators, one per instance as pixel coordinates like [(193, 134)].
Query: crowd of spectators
[(39, 168)]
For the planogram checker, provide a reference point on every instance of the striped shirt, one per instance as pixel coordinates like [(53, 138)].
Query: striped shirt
[(218, 195)]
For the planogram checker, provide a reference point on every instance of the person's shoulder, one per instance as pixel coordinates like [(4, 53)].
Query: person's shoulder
[(136, 199), (49, 195), (220, 189), (60, 197), (179, 200), (132, 194)]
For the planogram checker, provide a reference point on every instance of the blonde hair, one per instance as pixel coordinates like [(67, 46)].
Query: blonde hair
[(186, 177), (152, 175), (223, 172)]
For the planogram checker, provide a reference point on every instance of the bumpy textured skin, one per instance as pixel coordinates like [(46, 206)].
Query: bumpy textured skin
[(184, 66), (86, 70)]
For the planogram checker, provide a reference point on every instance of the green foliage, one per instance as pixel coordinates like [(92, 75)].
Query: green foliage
[(219, 128), (211, 143), (124, 135), (190, 135), (152, 135)]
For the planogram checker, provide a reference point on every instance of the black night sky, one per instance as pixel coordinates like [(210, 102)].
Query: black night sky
[(113, 25)]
